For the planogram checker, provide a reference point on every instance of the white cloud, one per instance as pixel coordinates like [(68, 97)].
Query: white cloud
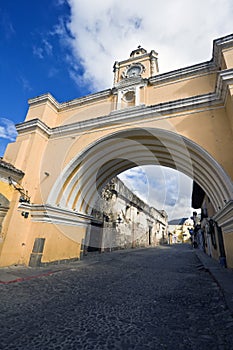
[(181, 31), (46, 49), (25, 83), (7, 129), (162, 188)]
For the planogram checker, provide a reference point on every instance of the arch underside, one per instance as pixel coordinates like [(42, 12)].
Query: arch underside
[(79, 185)]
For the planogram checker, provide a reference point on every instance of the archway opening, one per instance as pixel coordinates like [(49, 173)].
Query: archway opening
[(78, 188), (161, 187), (79, 185), (135, 208)]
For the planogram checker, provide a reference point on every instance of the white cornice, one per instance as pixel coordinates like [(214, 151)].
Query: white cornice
[(225, 78), (43, 99), (56, 215), (32, 125), (69, 104), (130, 82), (86, 99), (176, 75), (219, 45)]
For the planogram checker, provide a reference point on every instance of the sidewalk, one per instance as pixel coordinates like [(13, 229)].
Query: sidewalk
[(223, 276)]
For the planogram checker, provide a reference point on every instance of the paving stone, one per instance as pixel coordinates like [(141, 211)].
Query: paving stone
[(141, 299)]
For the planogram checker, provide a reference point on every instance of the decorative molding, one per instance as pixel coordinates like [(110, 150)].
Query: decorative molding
[(130, 82), (73, 103), (32, 125), (214, 65), (56, 215), (178, 74), (218, 46), (44, 99), (225, 78), (224, 217)]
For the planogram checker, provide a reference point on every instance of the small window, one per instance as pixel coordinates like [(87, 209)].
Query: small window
[(129, 96)]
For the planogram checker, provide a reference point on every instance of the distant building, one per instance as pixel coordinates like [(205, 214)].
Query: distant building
[(125, 221), (179, 230)]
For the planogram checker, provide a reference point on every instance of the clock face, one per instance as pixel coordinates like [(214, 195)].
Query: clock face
[(134, 71)]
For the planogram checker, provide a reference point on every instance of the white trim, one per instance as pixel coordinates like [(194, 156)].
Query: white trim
[(224, 217), (225, 78), (73, 103), (196, 70), (32, 125), (56, 215), (44, 99), (218, 46)]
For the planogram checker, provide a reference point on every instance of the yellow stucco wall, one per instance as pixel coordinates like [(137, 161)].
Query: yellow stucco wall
[(228, 57), (61, 241), (182, 88)]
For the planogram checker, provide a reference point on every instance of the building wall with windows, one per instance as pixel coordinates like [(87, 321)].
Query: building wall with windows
[(127, 221)]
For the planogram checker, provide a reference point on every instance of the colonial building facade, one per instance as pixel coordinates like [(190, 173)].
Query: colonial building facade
[(69, 151), (126, 221)]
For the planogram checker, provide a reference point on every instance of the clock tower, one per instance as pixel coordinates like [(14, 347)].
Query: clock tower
[(131, 77)]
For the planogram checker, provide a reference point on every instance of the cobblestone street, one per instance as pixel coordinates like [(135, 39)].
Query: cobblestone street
[(155, 298)]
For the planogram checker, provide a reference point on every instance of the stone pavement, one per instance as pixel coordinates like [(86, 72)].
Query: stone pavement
[(171, 297)]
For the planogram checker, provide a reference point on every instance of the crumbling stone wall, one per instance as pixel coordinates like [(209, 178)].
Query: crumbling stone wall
[(127, 221)]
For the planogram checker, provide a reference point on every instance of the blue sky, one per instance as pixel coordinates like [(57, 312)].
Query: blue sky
[(68, 48), (33, 58)]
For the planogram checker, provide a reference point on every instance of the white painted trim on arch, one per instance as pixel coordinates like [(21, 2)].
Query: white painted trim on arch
[(224, 217)]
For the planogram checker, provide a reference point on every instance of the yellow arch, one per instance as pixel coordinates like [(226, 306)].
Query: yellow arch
[(84, 176)]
